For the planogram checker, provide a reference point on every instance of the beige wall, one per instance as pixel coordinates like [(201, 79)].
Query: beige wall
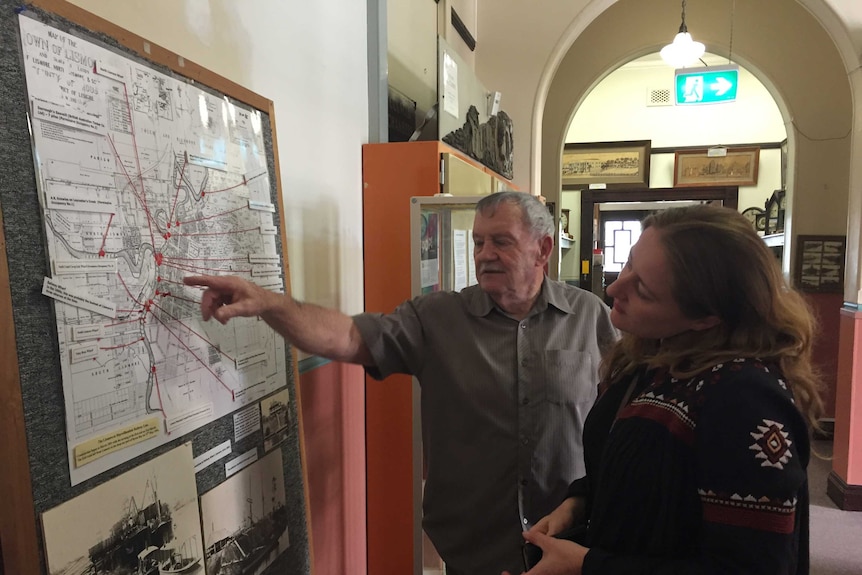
[(412, 39)]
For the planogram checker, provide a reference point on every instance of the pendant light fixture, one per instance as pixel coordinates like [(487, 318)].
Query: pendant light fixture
[(683, 51)]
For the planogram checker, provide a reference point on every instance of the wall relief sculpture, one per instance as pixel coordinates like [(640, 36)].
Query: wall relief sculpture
[(490, 143)]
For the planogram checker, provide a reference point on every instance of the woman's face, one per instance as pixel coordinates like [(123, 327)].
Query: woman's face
[(643, 303)]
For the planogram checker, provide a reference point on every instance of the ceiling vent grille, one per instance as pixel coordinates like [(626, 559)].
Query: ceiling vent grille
[(658, 97)]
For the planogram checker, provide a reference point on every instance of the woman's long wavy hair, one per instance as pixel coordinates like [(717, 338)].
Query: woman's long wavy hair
[(722, 268)]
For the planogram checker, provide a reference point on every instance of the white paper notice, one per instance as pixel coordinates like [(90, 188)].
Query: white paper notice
[(450, 85), (190, 417), (206, 459), (459, 253), (429, 271), (471, 263), (238, 463), (76, 298), (246, 422)]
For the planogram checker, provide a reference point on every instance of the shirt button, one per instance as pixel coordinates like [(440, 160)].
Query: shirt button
[(525, 401), (523, 483), (525, 520), (525, 441), (523, 363), (524, 325)]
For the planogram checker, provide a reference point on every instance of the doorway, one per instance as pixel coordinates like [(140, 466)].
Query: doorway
[(592, 224)]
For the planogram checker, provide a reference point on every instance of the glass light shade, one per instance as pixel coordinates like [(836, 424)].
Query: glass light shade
[(683, 51)]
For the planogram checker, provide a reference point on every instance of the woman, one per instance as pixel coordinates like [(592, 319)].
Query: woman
[(696, 451)]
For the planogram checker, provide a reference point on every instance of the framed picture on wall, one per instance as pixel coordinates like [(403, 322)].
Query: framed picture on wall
[(820, 264), (736, 167), (606, 164)]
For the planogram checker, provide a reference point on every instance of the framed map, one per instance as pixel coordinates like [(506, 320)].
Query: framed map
[(130, 167), (144, 178)]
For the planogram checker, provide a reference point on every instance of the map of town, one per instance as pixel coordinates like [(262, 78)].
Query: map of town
[(145, 178)]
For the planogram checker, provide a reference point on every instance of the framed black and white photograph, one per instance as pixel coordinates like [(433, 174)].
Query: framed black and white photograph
[(145, 521), (608, 164), (275, 417), (820, 264), (245, 519), (737, 167)]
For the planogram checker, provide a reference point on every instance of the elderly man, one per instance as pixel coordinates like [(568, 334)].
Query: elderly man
[(508, 370)]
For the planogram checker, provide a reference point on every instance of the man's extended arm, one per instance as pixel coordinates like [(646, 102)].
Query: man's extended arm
[(311, 328)]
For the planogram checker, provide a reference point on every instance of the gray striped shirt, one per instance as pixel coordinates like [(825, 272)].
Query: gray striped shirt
[(503, 406)]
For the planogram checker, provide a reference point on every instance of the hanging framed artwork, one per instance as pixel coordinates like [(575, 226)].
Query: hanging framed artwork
[(820, 264), (606, 164), (737, 167)]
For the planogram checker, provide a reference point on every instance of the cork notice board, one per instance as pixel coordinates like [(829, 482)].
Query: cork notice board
[(127, 168)]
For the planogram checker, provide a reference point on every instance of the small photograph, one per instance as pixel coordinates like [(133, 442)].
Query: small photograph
[(275, 415), (144, 522), (834, 260), (830, 274), (820, 263), (811, 257), (245, 519), (810, 282)]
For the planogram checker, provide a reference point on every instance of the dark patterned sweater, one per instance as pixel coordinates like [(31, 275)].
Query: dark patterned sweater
[(699, 476)]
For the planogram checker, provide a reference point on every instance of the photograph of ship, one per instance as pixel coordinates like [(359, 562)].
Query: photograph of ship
[(185, 559), (133, 524), (245, 519), (275, 416)]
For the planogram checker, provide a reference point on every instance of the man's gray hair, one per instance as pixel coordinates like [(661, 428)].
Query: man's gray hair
[(536, 217)]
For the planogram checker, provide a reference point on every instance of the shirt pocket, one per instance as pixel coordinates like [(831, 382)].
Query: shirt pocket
[(570, 377)]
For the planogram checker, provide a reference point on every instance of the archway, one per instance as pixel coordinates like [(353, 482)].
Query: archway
[(819, 140)]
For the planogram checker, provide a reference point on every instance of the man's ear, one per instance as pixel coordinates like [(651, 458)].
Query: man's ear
[(546, 245)]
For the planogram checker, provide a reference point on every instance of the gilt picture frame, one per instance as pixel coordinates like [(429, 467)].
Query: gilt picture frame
[(736, 167), (606, 164)]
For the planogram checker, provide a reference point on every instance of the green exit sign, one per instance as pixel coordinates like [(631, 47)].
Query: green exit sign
[(711, 85)]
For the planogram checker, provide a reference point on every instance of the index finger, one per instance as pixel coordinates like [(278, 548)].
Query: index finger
[(204, 281)]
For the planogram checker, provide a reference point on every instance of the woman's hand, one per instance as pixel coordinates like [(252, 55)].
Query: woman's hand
[(564, 516), (559, 556)]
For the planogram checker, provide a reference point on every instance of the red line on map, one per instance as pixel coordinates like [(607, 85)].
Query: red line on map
[(138, 162), (132, 184), (165, 280), (242, 207), (183, 298), (122, 345), (239, 185), (105, 237), (236, 259), (128, 292), (179, 185), (159, 393), (257, 229), (188, 327), (123, 322), (198, 269), (189, 349)]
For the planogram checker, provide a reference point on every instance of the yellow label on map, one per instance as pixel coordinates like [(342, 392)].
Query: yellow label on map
[(93, 449)]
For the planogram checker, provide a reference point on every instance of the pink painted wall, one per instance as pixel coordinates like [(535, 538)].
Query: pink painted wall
[(333, 412), (847, 446)]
